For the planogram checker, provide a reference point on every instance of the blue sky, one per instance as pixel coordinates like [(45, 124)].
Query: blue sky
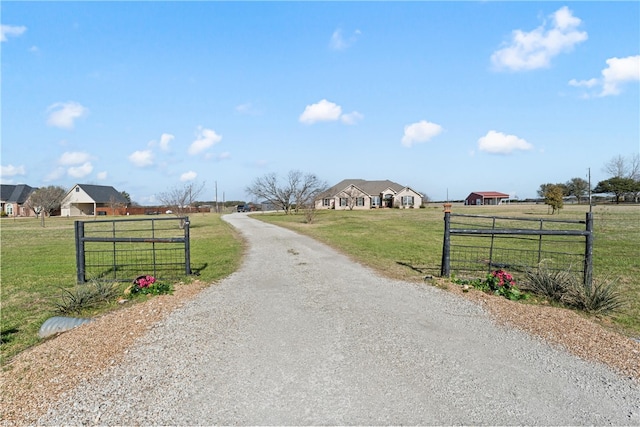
[(444, 97)]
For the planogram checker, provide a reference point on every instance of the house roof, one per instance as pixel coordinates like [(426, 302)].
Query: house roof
[(102, 193), (15, 193), (489, 194), (369, 187)]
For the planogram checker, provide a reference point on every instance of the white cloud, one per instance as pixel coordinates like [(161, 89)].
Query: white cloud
[(141, 158), (421, 131), (326, 111), (583, 83), (55, 174), (225, 155), (323, 111), (618, 72), (165, 139), (499, 143), (73, 158), (205, 138), (351, 118), (63, 114), (80, 171), (535, 49), (11, 170), (102, 175), (338, 42), (11, 30), (188, 176)]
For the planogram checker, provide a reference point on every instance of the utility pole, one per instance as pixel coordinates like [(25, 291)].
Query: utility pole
[(217, 210)]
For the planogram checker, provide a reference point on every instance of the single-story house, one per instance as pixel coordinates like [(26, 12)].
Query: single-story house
[(13, 200), (85, 199), (363, 194), (485, 198)]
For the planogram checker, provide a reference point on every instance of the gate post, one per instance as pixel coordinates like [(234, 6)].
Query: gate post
[(588, 253), (80, 260), (445, 270), (187, 248)]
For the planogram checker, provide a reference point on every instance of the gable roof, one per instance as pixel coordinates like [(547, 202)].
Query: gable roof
[(489, 194), (101, 193), (15, 193), (372, 188)]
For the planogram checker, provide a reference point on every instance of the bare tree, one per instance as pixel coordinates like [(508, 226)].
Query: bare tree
[(180, 199), (44, 200), (624, 167), (299, 189)]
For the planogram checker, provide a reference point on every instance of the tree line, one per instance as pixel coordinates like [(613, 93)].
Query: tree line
[(624, 182)]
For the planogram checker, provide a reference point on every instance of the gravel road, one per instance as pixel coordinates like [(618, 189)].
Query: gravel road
[(301, 335)]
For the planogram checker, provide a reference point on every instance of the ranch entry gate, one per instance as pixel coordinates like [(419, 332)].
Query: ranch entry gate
[(480, 244), (121, 250)]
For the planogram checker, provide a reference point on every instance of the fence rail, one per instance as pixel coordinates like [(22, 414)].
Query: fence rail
[(121, 250), (478, 243)]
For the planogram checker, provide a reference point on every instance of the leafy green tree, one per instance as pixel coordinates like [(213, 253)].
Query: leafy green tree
[(127, 197), (618, 186), (577, 187), (553, 197)]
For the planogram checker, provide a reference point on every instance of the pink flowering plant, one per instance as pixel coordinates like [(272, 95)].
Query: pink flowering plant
[(149, 285), (498, 282)]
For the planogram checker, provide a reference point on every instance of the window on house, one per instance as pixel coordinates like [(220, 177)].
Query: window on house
[(343, 201), (407, 200), (326, 202), (360, 201), (375, 201), (77, 189), (9, 209)]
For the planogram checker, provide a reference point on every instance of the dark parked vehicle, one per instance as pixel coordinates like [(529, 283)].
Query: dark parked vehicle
[(243, 208)]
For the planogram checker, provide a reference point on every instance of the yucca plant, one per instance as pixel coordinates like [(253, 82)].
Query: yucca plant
[(551, 284), (85, 296), (601, 297)]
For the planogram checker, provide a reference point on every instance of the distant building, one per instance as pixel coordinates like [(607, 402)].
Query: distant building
[(363, 194), (13, 200), (85, 199), (485, 198)]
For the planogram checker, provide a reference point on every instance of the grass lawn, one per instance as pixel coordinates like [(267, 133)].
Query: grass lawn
[(37, 262), (384, 238)]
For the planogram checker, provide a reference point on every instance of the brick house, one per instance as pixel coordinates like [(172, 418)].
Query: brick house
[(363, 194), (13, 200)]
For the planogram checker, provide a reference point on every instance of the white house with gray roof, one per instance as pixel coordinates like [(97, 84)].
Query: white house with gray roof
[(363, 194), (86, 199)]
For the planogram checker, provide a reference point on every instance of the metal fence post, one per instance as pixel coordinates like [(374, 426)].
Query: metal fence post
[(80, 260), (187, 248), (588, 253), (445, 270)]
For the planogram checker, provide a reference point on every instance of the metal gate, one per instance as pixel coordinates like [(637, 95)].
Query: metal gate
[(121, 250), (477, 243)]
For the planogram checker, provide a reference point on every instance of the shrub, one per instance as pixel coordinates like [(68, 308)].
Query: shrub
[(498, 282), (148, 285)]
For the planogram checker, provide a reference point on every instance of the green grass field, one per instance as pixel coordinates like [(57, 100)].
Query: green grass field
[(37, 262), (384, 238)]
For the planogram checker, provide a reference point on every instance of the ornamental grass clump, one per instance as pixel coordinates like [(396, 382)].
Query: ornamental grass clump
[(148, 285)]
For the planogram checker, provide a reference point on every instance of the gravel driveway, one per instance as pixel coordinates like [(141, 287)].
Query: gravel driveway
[(302, 335)]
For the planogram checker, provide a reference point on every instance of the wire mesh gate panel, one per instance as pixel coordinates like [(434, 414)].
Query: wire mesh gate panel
[(121, 250), (476, 244)]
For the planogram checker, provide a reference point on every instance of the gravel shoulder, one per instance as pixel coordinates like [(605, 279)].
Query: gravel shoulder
[(301, 335)]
